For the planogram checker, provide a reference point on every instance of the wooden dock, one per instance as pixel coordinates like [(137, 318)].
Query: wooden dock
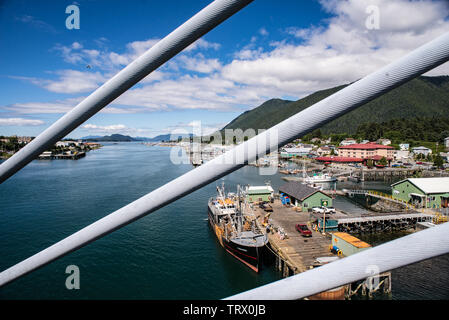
[(296, 252)]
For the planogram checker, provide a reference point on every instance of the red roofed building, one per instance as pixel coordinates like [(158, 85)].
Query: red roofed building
[(360, 153), (369, 150), (339, 159)]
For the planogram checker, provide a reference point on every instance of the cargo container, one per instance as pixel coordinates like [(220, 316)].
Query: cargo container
[(348, 244)]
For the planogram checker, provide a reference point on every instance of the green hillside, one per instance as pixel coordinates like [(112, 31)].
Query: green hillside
[(422, 97)]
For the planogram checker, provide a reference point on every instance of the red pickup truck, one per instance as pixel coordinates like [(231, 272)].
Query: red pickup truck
[(303, 230)]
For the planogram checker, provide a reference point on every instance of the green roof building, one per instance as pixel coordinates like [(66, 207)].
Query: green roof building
[(423, 192)]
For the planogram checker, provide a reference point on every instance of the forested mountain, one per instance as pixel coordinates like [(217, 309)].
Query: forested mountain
[(423, 97)]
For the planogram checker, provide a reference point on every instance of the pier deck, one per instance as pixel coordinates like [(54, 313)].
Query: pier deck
[(298, 252)]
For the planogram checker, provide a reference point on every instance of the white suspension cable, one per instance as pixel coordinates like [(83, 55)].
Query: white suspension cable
[(164, 50), (415, 63), (391, 255)]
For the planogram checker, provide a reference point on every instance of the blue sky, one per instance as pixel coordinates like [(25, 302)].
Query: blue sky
[(271, 49)]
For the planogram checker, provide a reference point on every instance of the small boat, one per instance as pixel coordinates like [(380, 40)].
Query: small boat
[(236, 231), (316, 178), (323, 177)]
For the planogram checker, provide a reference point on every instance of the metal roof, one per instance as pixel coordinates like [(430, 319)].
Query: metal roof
[(298, 190), (260, 190), (429, 185)]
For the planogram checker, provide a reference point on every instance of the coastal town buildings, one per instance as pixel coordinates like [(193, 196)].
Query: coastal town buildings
[(385, 142), (370, 150), (423, 192), (348, 142), (421, 150), (304, 196)]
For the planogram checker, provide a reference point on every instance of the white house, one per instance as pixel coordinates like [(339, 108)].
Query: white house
[(385, 142), (404, 146), (422, 150), (446, 142), (61, 144), (401, 155), (347, 142), (322, 151)]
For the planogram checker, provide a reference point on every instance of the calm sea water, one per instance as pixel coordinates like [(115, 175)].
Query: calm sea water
[(169, 254)]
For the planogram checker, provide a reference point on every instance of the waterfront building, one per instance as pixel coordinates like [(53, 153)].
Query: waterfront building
[(295, 152), (422, 150), (24, 140), (322, 151), (423, 192), (62, 144), (259, 193), (304, 196), (401, 155), (367, 151)]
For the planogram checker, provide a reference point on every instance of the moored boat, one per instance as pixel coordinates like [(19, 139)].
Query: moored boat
[(236, 231)]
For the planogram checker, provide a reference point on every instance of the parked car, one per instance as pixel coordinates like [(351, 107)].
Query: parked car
[(318, 210), (303, 230), (329, 210)]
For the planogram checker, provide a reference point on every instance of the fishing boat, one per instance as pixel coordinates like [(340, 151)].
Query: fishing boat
[(316, 178), (236, 230), (323, 177)]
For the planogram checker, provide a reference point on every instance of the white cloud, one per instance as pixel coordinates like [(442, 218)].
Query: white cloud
[(114, 127), (200, 64), (338, 51), (20, 122), (61, 106), (344, 50), (68, 81), (263, 32)]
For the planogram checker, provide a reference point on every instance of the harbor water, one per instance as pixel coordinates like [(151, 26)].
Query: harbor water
[(169, 254)]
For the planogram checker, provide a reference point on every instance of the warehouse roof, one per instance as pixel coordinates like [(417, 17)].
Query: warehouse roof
[(260, 189), (429, 185), (298, 190)]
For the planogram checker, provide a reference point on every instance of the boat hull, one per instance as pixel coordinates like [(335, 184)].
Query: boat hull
[(248, 255)]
